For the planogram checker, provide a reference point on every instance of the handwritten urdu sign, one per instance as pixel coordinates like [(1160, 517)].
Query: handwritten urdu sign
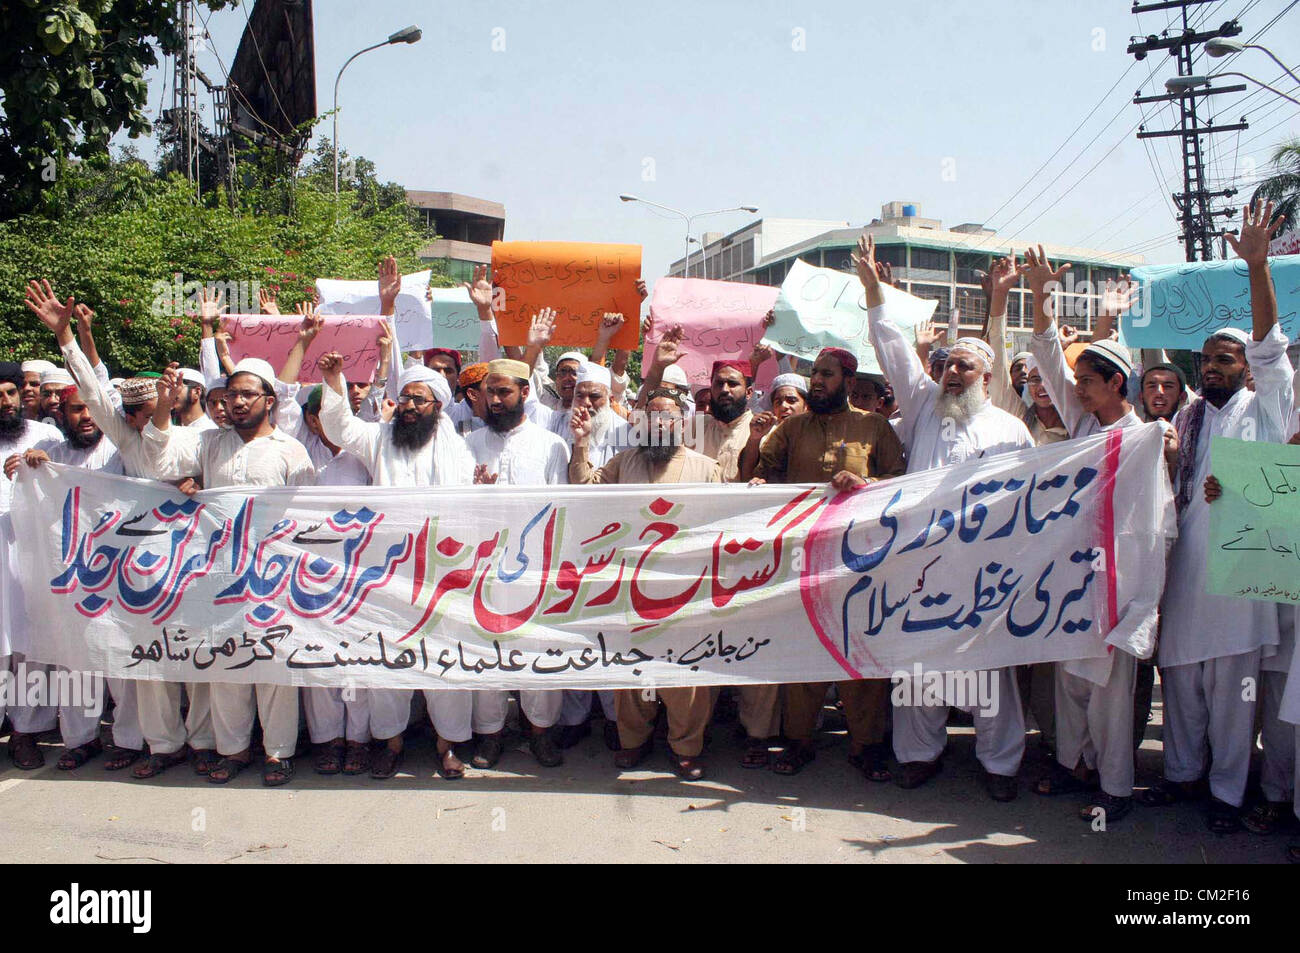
[(1255, 526), (413, 321), (721, 319), (1181, 305), (821, 307), (271, 336), (580, 280), (1005, 560)]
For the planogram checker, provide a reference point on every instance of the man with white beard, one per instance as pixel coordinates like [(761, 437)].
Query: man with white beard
[(1211, 645), (18, 435), (1095, 697), (122, 416), (944, 423), (419, 447), (514, 451), (609, 434)]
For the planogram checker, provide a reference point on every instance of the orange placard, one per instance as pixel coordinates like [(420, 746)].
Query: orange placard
[(580, 280)]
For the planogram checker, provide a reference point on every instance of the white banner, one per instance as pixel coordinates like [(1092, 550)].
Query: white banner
[(1017, 558), (413, 317)]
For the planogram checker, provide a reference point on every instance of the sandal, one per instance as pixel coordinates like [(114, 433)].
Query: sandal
[(873, 762), (1113, 808), (1265, 818), (794, 758), (227, 769), (205, 759), (24, 752), (385, 762), (329, 757), (1058, 781), (276, 773), (74, 758), (453, 769), (1165, 793), (1222, 817), (119, 758), (686, 768), (156, 764), (357, 760), (756, 754)]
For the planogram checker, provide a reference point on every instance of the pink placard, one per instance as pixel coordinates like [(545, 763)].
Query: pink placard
[(722, 319), (271, 337)]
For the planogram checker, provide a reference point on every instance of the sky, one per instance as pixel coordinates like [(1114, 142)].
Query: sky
[(811, 109)]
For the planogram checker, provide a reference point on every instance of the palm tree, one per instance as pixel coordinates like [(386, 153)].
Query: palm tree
[(1283, 186)]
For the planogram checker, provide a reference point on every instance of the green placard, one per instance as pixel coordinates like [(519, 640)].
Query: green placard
[(1255, 525)]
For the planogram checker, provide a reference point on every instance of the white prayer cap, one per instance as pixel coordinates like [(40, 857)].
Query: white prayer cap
[(595, 374), (258, 368), (190, 376), (436, 382), (1021, 356), (797, 381), (215, 381), (675, 375), (978, 345), (57, 375), (572, 356), (1112, 351), (1234, 334), (37, 367)]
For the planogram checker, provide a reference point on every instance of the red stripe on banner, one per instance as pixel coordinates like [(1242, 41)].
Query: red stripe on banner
[(1109, 470)]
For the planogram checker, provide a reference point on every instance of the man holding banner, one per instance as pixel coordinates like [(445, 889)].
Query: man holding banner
[(848, 448), (1211, 645), (947, 422)]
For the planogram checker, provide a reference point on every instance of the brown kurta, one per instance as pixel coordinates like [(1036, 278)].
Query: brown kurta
[(629, 466), (722, 442), (812, 448)]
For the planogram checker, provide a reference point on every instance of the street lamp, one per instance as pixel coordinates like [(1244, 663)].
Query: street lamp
[(689, 218), (1221, 47), (410, 34), (1181, 84)]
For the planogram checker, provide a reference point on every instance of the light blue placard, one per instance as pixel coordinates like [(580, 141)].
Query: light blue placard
[(455, 319), (1181, 305)]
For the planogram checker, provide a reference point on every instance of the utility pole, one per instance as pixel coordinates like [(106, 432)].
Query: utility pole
[(184, 117), (1195, 201)]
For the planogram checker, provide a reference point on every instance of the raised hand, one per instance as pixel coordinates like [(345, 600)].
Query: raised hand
[(390, 283), (641, 289), (761, 352), (761, 424), (1257, 228), (480, 291), (330, 364), (387, 409), (211, 306), (885, 273), (864, 260), (769, 319), (170, 388), (44, 303), (384, 339), (266, 301), (580, 424), (929, 336), (85, 318), (541, 328), (481, 474), (669, 350), (1039, 271), (610, 325), (1068, 335), (1118, 296), (312, 322), (1004, 274)]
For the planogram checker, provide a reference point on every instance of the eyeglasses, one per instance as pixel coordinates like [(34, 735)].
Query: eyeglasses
[(247, 395), (415, 400)]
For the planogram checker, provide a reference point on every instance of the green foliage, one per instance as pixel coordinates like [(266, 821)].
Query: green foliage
[(71, 76), (1282, 187), (116, 236)]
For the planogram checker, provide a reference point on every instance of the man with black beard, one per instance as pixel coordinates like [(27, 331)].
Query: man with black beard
[(515, 451), (658, 457), (419, 447), (17, 435), (848, 448)]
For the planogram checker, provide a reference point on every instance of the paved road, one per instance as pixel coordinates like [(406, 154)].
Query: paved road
[(587, 811)]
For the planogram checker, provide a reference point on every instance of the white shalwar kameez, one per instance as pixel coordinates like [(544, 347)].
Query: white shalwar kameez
[(158, 703), (1094, 697), (222, 458), (920, 731), (528, 455), (443, 461), (1210, 644)]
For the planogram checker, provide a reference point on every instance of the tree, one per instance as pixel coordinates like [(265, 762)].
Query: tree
[(124, 241), (72, 76), (1282, 188)]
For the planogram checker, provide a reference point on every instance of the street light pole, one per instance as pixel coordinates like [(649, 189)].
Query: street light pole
[(1179, 84), (689, 219), (1224, 47), (409, 35)]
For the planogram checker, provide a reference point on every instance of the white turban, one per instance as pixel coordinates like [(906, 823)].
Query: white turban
[(57, 375), (190, 376), (37, 367), (978, 345), (436, 382), (595, 374), (258, 368), (1235, 334)]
